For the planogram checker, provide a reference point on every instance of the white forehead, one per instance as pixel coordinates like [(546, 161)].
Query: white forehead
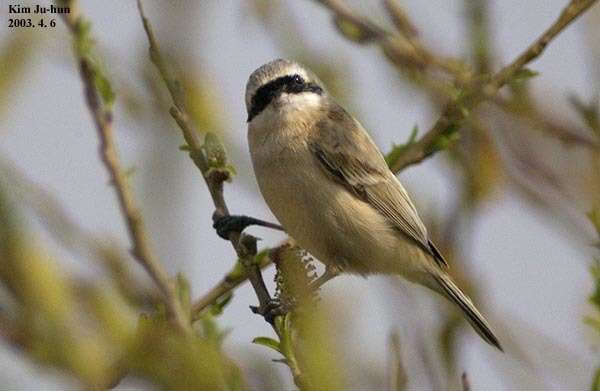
[(271, 71)]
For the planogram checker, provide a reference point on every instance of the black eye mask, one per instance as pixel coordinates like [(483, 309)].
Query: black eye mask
[(293, 84)]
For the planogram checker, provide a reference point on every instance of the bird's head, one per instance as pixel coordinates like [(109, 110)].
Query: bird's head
[(280, 85)]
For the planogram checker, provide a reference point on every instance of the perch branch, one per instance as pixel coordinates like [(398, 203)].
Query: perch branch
[(243, 248), (244, 245), (416, 153)]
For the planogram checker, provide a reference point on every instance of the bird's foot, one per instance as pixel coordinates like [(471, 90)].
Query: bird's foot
[(224, 225), (272, 309), (330, 273)]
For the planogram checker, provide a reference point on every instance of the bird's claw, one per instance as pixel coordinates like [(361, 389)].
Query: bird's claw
[(272, 309), (224, 225), (237, 223)]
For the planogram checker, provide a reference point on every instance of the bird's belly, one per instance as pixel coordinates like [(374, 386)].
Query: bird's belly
[(330, 222), (296, 200)]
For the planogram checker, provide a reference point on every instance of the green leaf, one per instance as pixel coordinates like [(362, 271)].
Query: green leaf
[(454, 92), (217, 308), (262, 257), (592, 322), (216, 156), (413, 135), (84, 47), (397, 150), (83, 42), (237, 273), (589, 112), (211, 331), (594, 216), (449, 136), (596, 381), (285, 326), (268, 342), (104, 88), (353, 31), (523, 74), (215, 151)]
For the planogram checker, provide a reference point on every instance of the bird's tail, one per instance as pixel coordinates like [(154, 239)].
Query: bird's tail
[(449, 289)]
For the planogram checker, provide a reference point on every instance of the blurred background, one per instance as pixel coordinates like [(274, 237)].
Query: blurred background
[(507, 201)]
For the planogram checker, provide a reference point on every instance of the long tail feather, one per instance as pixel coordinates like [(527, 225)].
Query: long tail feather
[(474, 317)]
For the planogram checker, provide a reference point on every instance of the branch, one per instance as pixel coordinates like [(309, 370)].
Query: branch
[(11, 334), (99, 97), (228, 284), (59, 224), (458, 110), (568, 134), (403, 48), (244, 245), (475, 92), (215, 184)]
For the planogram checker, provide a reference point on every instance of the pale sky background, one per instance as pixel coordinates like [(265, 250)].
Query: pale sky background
[(527, 268)]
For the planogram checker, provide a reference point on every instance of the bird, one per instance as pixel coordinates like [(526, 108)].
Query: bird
[(329, 186)]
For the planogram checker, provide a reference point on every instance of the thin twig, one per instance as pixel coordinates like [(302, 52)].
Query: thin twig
[(398, 376), (73, 236), (456, 112), (11, 334), (102, 117), (479, 35), (401, 48), (215, 185), (567, 133), (400, 19), (227, 285)]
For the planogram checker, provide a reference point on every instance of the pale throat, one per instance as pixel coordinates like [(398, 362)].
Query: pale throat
[(290, 115), (288, 108), (291, 106)]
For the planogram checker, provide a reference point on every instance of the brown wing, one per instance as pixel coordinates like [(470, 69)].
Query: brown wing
[(347, 153)]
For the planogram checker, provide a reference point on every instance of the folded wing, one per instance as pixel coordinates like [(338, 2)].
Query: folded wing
[(346, 153)]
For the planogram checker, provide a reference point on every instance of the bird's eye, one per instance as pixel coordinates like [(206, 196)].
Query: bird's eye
[(298, 80)]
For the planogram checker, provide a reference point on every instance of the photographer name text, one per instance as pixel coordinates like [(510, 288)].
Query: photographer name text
[(37, 9), (18, 15)]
